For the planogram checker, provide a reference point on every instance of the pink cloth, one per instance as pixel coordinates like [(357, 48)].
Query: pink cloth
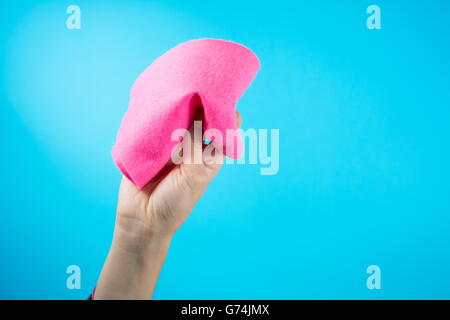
[(212, 73)]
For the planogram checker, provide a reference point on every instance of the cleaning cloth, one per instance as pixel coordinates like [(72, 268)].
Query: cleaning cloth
[(208, 74)]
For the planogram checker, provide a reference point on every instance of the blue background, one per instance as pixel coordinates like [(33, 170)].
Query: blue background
[(364, 125)]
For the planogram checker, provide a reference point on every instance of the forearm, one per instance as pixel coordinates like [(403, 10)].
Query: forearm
[(132, 268)]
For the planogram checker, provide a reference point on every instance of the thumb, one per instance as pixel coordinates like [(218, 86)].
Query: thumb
[(199, 175)]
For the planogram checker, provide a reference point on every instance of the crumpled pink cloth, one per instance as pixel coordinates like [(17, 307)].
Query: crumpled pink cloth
[(214, 73)]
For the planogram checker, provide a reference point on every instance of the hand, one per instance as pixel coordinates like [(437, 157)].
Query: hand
[(165, 203), (148, 218)]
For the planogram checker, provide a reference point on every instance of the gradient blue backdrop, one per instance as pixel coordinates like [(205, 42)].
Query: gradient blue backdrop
[(364, 125)]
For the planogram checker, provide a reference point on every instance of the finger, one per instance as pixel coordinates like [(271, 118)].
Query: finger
[(210, 156), (238, 120), (176, 156), (191, 144), (196, 131), (216, 157)]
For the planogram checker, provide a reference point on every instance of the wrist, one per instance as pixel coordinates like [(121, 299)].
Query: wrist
[(135, 235), (132, 267), (139, 243)]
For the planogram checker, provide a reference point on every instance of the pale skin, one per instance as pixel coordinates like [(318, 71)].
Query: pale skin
[(146, 221)]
